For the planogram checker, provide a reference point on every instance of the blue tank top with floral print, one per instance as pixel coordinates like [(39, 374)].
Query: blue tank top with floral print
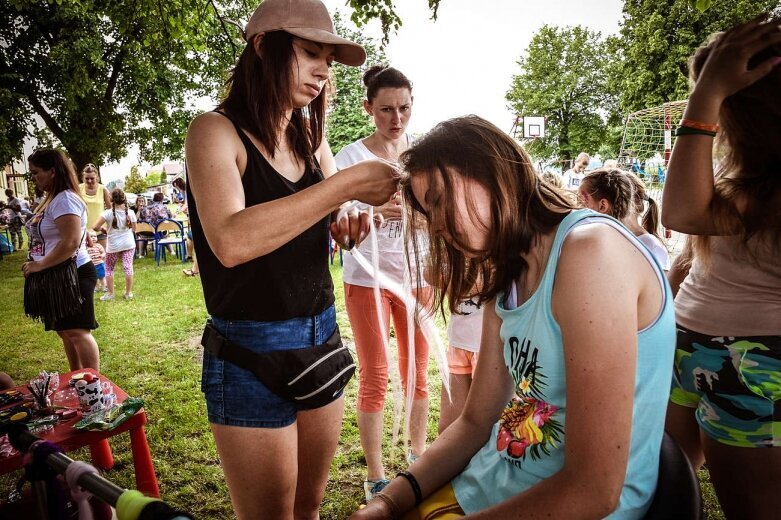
[(526, 446)]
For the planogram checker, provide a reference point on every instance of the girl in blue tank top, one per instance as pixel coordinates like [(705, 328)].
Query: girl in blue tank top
[(565, 416)]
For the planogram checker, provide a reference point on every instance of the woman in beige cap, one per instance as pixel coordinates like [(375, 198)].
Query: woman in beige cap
[(262, 188)]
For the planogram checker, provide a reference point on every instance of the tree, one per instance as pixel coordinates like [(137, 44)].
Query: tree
[(658, 39), (163, 177), (347, 120), (565, 79), (152, 179), (102, 75), (384, 11), (134, 183)]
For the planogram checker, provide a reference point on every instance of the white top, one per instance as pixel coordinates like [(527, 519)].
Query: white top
[(43, 232), (572, 179), (390, 235), (465, 330), (120, 238), (657, 249)]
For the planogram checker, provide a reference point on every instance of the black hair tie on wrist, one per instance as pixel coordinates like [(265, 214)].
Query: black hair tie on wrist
[(413, 482)]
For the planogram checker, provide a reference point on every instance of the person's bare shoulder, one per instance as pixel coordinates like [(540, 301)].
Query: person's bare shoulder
[(208, 123), (211, 138)]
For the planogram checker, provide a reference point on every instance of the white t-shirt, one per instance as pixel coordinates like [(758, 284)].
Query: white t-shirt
[(390, 235), (465, 330), (120, 238), (43, 232), (657, 249), (572, 179)]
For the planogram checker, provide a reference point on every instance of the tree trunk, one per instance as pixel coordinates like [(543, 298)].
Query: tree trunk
[(80, 160), (565, 154)]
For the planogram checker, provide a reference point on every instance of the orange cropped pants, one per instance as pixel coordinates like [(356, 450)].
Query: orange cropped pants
[(372, 361)]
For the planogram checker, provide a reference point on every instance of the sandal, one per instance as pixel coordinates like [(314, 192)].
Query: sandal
[(190, 272)]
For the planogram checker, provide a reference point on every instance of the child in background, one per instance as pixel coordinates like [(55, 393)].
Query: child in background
[(98, 256), (553, 178), (623, 196), (464, 331), (121, 224)]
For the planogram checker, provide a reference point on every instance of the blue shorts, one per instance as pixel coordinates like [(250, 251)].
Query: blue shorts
[(234, 396), (101, 270), (733, 384)]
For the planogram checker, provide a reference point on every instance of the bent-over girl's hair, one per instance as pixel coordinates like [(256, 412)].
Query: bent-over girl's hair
[(522, 207), (626, 194), (258, 93), (64, 172), (749, 143), (117, 199), (383, 76)]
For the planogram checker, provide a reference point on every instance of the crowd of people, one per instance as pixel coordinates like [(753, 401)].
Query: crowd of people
[(556, 283), (77, 234)]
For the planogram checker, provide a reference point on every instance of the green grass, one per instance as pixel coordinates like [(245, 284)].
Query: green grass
[(150, 347)]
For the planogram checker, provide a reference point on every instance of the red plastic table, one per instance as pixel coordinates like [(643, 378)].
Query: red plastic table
[(69, 439)]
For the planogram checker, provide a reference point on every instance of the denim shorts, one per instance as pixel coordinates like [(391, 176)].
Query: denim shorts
[(234, 396)]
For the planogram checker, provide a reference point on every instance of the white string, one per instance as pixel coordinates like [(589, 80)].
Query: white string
[(404, 293)]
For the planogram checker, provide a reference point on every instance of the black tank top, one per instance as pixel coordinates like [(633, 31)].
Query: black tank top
[(290, 282)]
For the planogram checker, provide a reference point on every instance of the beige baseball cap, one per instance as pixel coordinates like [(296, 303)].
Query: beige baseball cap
[(308, 19)]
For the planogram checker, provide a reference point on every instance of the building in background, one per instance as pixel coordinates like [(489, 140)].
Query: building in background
[(15, 177)]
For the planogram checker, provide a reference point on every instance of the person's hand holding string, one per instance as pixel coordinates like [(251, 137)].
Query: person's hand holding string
[(391, 210), (373, 183)]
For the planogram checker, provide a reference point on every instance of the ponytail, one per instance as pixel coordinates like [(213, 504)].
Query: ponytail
[(651, 218)]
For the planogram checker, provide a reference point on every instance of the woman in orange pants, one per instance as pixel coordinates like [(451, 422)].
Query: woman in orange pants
[(389, 103)]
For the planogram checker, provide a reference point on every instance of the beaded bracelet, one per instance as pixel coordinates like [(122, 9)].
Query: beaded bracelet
[(414, 483), (687, 130), (708, 127)]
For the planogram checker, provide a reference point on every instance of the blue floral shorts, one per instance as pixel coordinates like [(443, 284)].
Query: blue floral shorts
[(734, 384)]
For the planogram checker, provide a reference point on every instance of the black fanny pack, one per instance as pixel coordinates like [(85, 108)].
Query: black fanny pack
[(311, 377)]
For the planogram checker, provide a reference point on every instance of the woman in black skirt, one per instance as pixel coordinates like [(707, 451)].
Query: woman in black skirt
[(59, 276)]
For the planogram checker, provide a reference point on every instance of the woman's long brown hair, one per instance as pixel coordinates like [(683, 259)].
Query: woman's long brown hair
[(522, 207), (258, 95), (750, 168)]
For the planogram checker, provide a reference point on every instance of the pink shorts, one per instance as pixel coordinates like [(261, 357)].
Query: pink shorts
[(461, 361), (127, 262)]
